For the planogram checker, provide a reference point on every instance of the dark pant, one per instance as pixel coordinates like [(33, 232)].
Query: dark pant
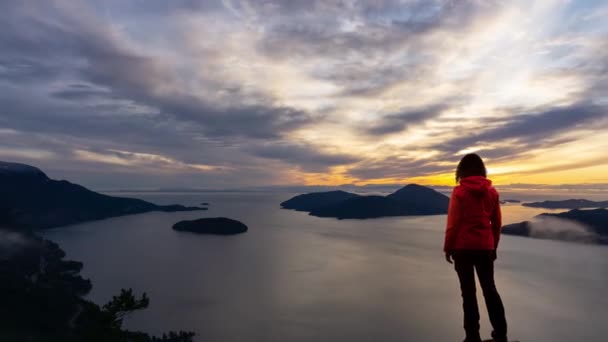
[(465, 262)]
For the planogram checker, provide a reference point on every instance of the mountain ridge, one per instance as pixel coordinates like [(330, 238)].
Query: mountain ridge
[(412, 199), (568, 204), (34, 201)]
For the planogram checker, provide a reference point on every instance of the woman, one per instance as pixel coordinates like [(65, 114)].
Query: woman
[(471, 239)]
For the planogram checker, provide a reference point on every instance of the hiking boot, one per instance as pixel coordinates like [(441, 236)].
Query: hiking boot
[(474, 338)]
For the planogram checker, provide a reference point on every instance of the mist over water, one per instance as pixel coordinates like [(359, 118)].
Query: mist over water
[(10, 242), (561, 229), (294, 277)]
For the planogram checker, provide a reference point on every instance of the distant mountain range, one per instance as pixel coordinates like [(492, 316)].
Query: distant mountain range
[(34, 201), (590, 226), (568, 204), (412, 199)]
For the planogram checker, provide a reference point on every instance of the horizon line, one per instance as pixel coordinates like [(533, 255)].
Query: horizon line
[(592, 187)]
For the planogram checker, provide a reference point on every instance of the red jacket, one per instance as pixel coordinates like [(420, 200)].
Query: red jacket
[(474, 218)]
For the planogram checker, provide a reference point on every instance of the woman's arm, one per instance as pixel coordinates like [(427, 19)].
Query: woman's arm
[(451, 229), (496, 221)]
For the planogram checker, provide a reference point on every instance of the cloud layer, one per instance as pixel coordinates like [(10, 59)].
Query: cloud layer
[(234, 93)]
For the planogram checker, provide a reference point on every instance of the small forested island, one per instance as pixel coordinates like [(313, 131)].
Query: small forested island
[(211, 225), (38, 202), (412, 199), (568, 204), (588, 226)]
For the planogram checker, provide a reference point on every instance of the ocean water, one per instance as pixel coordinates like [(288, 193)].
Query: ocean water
[(294, 277)]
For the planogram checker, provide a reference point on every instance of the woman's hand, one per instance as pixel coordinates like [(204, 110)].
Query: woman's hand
[(448, 257)]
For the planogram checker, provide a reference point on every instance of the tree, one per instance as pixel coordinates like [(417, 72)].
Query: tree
[(41, 296)]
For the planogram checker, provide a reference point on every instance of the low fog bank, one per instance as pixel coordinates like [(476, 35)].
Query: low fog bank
[(547, 227)]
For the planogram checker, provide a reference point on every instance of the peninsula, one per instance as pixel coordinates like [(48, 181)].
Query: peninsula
[(34, 201)]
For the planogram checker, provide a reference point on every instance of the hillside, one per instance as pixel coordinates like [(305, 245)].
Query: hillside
[(35, 201), (412, 199)]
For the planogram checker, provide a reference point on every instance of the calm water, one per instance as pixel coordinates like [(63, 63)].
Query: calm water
[(295, 277)]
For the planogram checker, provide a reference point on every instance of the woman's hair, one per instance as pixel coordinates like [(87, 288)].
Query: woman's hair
[(470, 165)]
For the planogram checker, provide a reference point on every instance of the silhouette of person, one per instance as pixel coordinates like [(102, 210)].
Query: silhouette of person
[(471, 238)]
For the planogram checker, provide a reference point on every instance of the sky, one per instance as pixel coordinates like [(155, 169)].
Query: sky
[(134, 94)]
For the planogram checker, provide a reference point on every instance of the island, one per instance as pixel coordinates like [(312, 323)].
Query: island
[(211, 225), (316, 200), (587, 226), (35, 201), (568, 204), (412, 199), (509, 201)]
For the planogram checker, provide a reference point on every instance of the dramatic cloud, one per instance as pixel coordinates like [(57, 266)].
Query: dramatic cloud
[(258, 92), (534, 129), (305, 157), (394, 123)]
